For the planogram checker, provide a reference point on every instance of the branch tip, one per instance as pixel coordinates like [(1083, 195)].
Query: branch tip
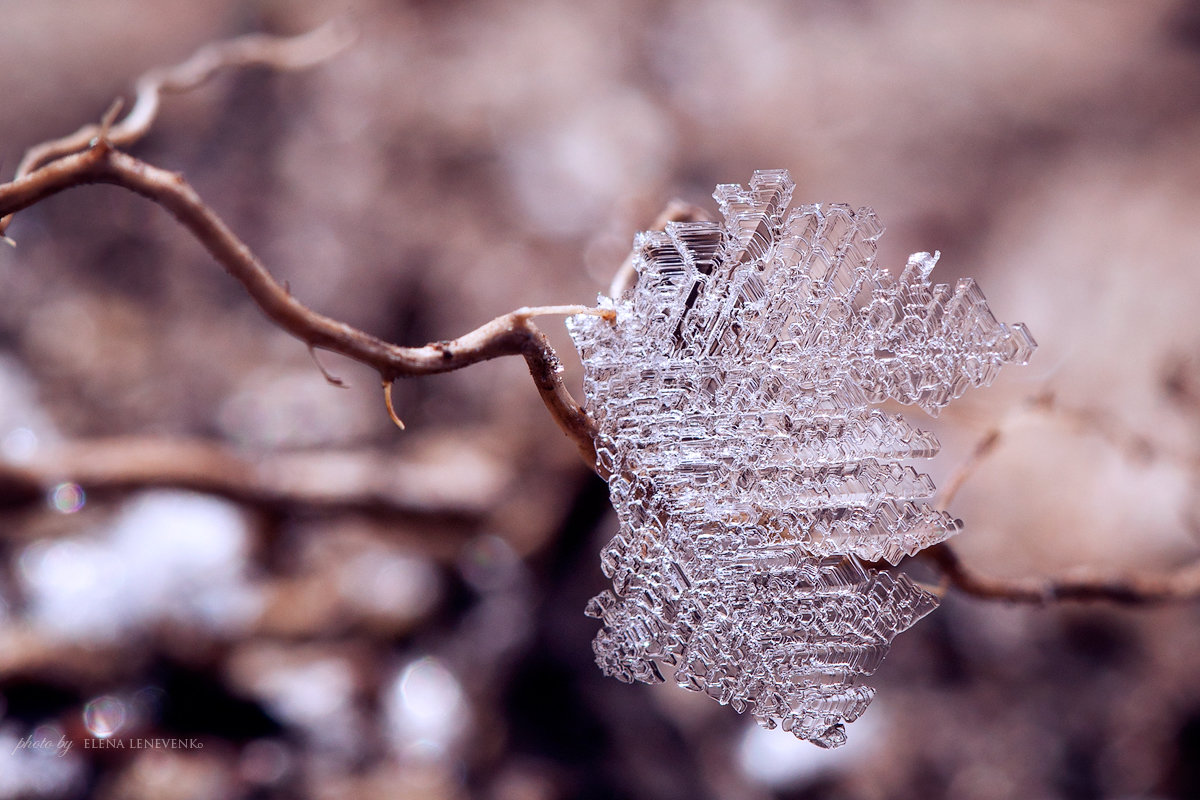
[(528, 312), (391, 409), (282, 53), (106, 121), (330, 378)]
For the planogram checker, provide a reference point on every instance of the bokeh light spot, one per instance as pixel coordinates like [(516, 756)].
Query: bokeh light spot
[(427, 709), (104, 716), (19, 445), (67, 498)]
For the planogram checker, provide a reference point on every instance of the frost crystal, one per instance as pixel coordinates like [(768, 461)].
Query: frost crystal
[(733, 398)]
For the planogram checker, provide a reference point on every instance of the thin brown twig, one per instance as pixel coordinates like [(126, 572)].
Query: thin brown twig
[(330, 378), (282, 53), (391, 408), (979, 453), (1132, 444), (984, 447), (511, 334), (57, 165)]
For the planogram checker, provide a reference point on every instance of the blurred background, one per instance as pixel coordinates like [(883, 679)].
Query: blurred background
[(339, 609)]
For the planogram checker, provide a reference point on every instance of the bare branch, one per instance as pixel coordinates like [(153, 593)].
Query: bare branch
[(511, 334), (283, 53), (1130, 444), (391, 408), (983, 448), (57, 165), (330, 378)]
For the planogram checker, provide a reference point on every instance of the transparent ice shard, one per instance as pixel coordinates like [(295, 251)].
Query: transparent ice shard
[(750, 472)]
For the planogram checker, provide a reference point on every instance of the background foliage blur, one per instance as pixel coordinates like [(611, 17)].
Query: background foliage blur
[(464, 159)]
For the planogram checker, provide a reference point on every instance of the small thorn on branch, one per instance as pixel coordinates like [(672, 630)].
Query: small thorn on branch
[(391, 409), (330, 378)]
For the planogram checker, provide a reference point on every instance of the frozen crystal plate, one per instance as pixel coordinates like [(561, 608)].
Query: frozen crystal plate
[(735, 395)]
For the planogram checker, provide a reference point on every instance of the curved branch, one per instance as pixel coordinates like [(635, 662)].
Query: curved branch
[(511, 334), (1183, 584), (271, 51), (1124, 589), (88, 156)]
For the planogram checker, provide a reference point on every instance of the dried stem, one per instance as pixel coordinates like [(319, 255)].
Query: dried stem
[(90, 156), (983, 448)]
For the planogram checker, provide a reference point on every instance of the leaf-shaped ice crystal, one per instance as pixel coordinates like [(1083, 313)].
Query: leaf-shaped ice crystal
[(733, 397)]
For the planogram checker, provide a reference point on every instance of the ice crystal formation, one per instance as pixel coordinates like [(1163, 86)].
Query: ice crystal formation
[(752, 474)]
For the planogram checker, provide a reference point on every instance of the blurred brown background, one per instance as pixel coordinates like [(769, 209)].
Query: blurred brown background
[(463, 159)]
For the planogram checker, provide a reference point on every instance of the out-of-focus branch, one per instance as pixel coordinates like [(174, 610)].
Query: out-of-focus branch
[(1183, 584), (985, 446), (1130, 444), (355, 482), (1125, 589), (280, 53)]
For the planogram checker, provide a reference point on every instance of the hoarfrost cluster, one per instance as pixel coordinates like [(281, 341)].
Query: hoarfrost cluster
[(735, 398)]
